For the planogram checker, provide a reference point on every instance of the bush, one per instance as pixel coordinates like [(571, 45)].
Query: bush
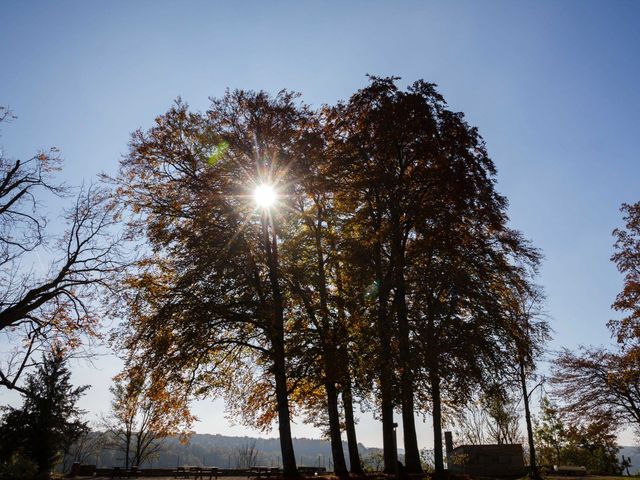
[(18, 467)]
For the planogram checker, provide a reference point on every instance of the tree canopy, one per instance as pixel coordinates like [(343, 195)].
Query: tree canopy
[(384, 265)]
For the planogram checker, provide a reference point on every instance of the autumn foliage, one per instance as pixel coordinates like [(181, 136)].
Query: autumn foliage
[(385, 273)]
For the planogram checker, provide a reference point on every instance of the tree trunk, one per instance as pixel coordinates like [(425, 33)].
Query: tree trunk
[(412, 453), (350, 426), (533, 465), (437, 420), (127, 450), (329, 353), (278, 353), (347, 395), (386, 374), (339, 464), (284, 419)]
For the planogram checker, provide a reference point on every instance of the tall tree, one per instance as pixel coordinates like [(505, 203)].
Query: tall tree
[(530, 332), (627, 259), (461, 256), (212, 305), (380, 269), (49, 417), (598, 382), (59, 303), (419, 183), (310, 259)]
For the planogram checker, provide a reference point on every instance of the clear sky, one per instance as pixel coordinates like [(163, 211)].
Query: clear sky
[(552, 86)]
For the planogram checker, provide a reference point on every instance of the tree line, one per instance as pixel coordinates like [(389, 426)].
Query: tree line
[(385, 273)]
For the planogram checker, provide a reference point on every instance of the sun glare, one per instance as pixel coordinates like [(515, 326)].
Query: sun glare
[(264, 196)]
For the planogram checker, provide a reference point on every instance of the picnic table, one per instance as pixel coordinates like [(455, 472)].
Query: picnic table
[(260, 471), (194, 472), (118, 472)]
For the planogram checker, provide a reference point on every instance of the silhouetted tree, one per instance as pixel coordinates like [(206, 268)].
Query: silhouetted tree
[(48, 418), (596, 382), (58, 303), (211, 311), (627, 259), (83, 449), (530, 332), (246, 455), (384, 267)]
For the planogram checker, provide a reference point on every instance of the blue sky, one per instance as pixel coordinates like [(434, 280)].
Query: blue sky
[(552, 86)]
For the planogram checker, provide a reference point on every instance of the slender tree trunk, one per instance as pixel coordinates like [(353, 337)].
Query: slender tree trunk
[(127, 450), (352, 441), (347, 395), (412, 453), (284, 419), (278, 353), (329, 352), (533, 465), (339, 463), (385, 367), (437, 420), (138, 455)]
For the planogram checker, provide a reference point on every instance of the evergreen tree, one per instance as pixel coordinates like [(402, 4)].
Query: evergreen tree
[(48, 418)]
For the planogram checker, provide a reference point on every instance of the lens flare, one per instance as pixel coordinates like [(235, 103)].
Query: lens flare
[(264, 196)]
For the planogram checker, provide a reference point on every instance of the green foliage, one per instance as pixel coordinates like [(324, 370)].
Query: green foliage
[(48, 419), (218, 152), (373, 461), (594, 445), (550, 434)]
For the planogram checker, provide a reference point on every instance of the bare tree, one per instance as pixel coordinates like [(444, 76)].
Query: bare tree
[(48, 283), (246, 455), (492, 417), (471, 423), (85, 448)]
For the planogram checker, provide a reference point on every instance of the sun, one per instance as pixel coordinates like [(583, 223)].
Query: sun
[(264, 196)]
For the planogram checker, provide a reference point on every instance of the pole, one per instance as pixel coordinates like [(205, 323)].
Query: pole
[(395, 444)]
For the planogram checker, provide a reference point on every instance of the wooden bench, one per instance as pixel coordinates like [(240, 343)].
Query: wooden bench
[(196, 472), (570, 470), (264, 472)]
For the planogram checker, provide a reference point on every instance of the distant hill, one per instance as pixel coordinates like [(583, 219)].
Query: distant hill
[(221, 451)]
